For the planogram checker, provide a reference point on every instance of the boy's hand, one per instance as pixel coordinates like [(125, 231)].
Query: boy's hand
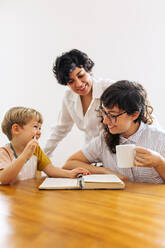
[(30, 148), (146, 157), (73, 173)]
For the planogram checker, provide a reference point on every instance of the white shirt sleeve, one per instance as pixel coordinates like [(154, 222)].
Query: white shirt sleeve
[(60, 130), (93, 151)]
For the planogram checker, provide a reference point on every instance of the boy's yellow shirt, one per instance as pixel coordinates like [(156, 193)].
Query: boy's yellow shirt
[(42, 159)]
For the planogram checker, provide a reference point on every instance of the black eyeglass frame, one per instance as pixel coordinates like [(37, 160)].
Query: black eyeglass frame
[(112, 118)]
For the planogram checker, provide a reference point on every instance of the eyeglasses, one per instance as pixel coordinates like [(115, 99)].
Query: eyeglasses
[(112, 118)]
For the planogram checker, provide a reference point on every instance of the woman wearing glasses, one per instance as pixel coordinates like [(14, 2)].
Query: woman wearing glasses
[(127, 119), (82, 97)]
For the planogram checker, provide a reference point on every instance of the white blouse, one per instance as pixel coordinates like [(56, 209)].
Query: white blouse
[(147, 136), (72, 113)]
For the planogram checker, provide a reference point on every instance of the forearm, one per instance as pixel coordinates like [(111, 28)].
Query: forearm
[(72, 164), (53, 171), (56, 136), (9, 173)]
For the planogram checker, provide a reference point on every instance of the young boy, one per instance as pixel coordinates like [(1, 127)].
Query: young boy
[(22, 157)]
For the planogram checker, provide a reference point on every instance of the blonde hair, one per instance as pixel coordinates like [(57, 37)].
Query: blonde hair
[(20, 116)]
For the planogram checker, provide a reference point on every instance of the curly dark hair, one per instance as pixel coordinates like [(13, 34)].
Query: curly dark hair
[(68, 61), (130, 97)]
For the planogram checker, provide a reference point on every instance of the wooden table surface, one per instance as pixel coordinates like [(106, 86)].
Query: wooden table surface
[(133, 217)]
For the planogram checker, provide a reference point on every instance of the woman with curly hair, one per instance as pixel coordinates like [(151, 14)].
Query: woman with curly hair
[(127, 118), (82, 97)]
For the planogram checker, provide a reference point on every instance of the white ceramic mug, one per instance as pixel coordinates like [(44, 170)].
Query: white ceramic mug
[(125, 155)]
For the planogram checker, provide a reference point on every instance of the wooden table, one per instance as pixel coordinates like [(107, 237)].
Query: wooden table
[(133, 217)]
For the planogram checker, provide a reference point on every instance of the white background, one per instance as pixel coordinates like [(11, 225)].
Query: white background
[(125, 38)]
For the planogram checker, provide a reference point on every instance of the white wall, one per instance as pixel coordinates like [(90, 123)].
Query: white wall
[(125, 39)]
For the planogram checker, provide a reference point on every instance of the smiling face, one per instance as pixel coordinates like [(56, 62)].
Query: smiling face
[(80, 81), (29, 131), (120, 122)]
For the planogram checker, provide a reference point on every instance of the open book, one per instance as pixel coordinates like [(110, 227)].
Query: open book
[(96, 181)]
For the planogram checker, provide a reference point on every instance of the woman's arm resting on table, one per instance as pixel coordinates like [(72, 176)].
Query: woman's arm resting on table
[(79, 160)]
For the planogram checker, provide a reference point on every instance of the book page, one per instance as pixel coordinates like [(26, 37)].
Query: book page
[(58, 183), (102, 178)]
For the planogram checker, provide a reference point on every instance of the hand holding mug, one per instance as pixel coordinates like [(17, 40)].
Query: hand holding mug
[(146, 157)]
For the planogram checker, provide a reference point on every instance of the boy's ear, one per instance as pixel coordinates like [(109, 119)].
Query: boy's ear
[(15, 128), (135, 115)]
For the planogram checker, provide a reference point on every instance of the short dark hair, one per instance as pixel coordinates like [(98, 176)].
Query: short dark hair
[(130, 97), (68, 61)]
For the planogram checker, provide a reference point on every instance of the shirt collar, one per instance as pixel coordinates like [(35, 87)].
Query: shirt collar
[(135, 137)]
